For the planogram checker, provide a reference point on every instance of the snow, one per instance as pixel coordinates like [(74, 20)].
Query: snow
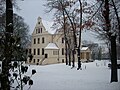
[(84, 48), (51, 46), (93, 76), (48, 26)]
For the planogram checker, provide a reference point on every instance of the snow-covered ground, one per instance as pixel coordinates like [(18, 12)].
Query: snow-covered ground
[(93, 76)]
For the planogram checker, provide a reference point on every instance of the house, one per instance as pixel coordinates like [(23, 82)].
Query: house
[(48, 48), (85, 54)]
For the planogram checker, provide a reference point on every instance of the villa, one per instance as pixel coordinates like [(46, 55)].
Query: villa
[(49, 48)]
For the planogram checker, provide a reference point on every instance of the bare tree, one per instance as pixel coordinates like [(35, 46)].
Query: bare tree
[(61, 15), (74, 16), (107, 29), (7, 50), (9, 40)]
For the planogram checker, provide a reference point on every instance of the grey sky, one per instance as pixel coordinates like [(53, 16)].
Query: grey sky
[(32, 9)]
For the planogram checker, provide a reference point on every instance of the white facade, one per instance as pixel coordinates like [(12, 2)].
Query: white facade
[(47, 48)]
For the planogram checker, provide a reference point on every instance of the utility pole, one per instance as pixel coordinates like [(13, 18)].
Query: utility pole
[(5, 84)]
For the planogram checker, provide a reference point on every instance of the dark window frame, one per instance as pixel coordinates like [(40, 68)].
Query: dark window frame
[(63, 51), (38, 60), (38, 22), (43, 40), (38, 41), (38, 51), (34, 51), (42, 51), (30, 51), (62, 40), (34, 41), (38, 30), (33, 60), (41, 30)]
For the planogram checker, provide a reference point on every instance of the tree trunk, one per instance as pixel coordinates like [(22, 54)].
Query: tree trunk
[(114, 77), (79, 62), (66, 59), (66, 51), (78, 49), (70, 58), (73, 58), (5, 85), (69, 55)]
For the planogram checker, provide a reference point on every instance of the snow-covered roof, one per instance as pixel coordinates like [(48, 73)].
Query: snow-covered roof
[(51, 46), (48, 26), (84, 48)]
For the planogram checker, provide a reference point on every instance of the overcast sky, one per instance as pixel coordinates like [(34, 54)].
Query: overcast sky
[(32, 9)]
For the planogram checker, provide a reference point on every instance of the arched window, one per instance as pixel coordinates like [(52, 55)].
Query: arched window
[(34, 51), (42, 51), (38, 22), (34, 61), (38, 40), (43, 40), (38, 51), (62, 51), (62, 40), (38, 30), (34, 40), (41, 30)]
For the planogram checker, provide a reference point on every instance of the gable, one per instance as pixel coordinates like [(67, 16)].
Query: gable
[(39, 28)]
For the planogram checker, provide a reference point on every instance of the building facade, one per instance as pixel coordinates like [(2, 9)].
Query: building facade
[(48, 48)]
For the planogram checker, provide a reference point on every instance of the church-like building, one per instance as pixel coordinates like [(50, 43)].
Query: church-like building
[(48, 48)]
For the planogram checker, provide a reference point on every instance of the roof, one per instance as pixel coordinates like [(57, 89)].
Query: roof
[(48, 26), (84, 48), (51, 46)]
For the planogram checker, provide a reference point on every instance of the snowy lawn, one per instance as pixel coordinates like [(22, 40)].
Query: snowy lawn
[(96, 76)]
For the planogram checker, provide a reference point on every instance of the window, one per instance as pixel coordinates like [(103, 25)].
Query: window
[(82, 55), (29, 51), (29, 61), (62, 51), (62, 60), (38, 51), (88, 55), (43, 40), (46, 55), (55, 52), (42, 51), (38, 22), (38, 40), (41, 30), (38, 30), (34, 51), (38, 60), (34, 61), (34, 41), (62, 40)]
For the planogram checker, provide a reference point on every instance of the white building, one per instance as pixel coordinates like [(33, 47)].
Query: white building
[(48, 48)]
